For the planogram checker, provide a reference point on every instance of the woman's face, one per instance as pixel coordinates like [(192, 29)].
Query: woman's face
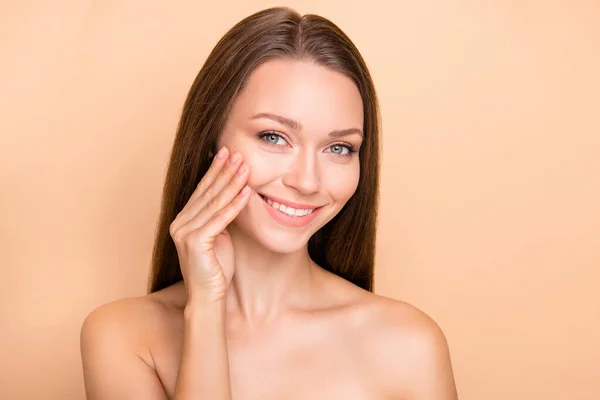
[(298, 127)]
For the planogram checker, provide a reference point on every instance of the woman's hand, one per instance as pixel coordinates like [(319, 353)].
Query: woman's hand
[(199, 231)]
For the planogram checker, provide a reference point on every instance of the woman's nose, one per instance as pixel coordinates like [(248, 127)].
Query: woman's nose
[(304, 173)]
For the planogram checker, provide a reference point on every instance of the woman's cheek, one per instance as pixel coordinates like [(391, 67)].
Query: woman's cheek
[(263, 167), (343, 181)]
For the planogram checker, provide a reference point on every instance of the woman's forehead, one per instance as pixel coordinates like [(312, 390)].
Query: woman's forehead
[(303, 92)]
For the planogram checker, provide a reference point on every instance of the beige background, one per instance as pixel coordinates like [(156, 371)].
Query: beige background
[(490, 187)]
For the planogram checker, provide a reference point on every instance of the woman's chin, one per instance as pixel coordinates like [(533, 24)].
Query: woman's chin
[(279, 241), (275, 240), (284, 248)]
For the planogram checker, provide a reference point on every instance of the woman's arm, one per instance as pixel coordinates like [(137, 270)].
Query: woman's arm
[(204, 366), (432, 375), (410, 354), (205, 252), (422, 357), (112, 366), (115, 363)]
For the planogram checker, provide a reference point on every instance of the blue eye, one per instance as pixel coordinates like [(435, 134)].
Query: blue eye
[(271, 138), (350, 150), (340, 147)]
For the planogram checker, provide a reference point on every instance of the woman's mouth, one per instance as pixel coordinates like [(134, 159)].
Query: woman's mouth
[(292, 212), (289, 215)]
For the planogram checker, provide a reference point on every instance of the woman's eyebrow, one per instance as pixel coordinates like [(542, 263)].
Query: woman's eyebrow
[(345, 132), (290, 123), (297, 126)]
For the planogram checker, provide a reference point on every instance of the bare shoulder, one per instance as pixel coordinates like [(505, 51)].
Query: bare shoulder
[(403, 319), (116, 341), (409, 349), (405, 350), (133, 318)]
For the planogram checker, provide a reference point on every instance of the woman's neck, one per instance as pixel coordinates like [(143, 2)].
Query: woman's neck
[(266, 284)]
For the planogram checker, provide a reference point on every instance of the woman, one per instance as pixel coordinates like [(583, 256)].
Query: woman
[(263, 263)]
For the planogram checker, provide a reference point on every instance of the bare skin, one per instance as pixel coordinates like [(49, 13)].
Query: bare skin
[(268, 323), (355, 345)]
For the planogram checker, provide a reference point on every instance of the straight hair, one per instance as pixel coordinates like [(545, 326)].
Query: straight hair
[(346, 244)]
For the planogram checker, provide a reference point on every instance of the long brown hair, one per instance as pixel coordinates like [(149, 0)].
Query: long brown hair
[(345, 245)]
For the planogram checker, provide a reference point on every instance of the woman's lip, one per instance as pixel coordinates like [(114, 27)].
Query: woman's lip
[(286, 203), (285, 219)]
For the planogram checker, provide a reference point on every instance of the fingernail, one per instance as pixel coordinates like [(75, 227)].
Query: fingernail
[(234, 158), (245, 191), (221, 153)]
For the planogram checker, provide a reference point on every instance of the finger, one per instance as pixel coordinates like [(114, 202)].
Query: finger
[(219, 221), (210, 207), (217, 165), (213, 171), (207, 196)]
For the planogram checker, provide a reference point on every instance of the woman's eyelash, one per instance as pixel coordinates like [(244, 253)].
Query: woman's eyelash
[(263, 135), (351, 149)]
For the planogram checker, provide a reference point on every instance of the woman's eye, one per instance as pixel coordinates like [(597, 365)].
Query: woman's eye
[(339, 149), (271, 138), (275, 139)]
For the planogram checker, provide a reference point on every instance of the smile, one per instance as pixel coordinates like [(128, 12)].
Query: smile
[(292, 212), (287, 215)]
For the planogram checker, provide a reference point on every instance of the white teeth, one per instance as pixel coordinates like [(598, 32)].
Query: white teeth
[(289, 210)]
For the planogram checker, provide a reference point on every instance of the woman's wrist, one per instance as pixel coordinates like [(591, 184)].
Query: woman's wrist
[(200, 307)]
